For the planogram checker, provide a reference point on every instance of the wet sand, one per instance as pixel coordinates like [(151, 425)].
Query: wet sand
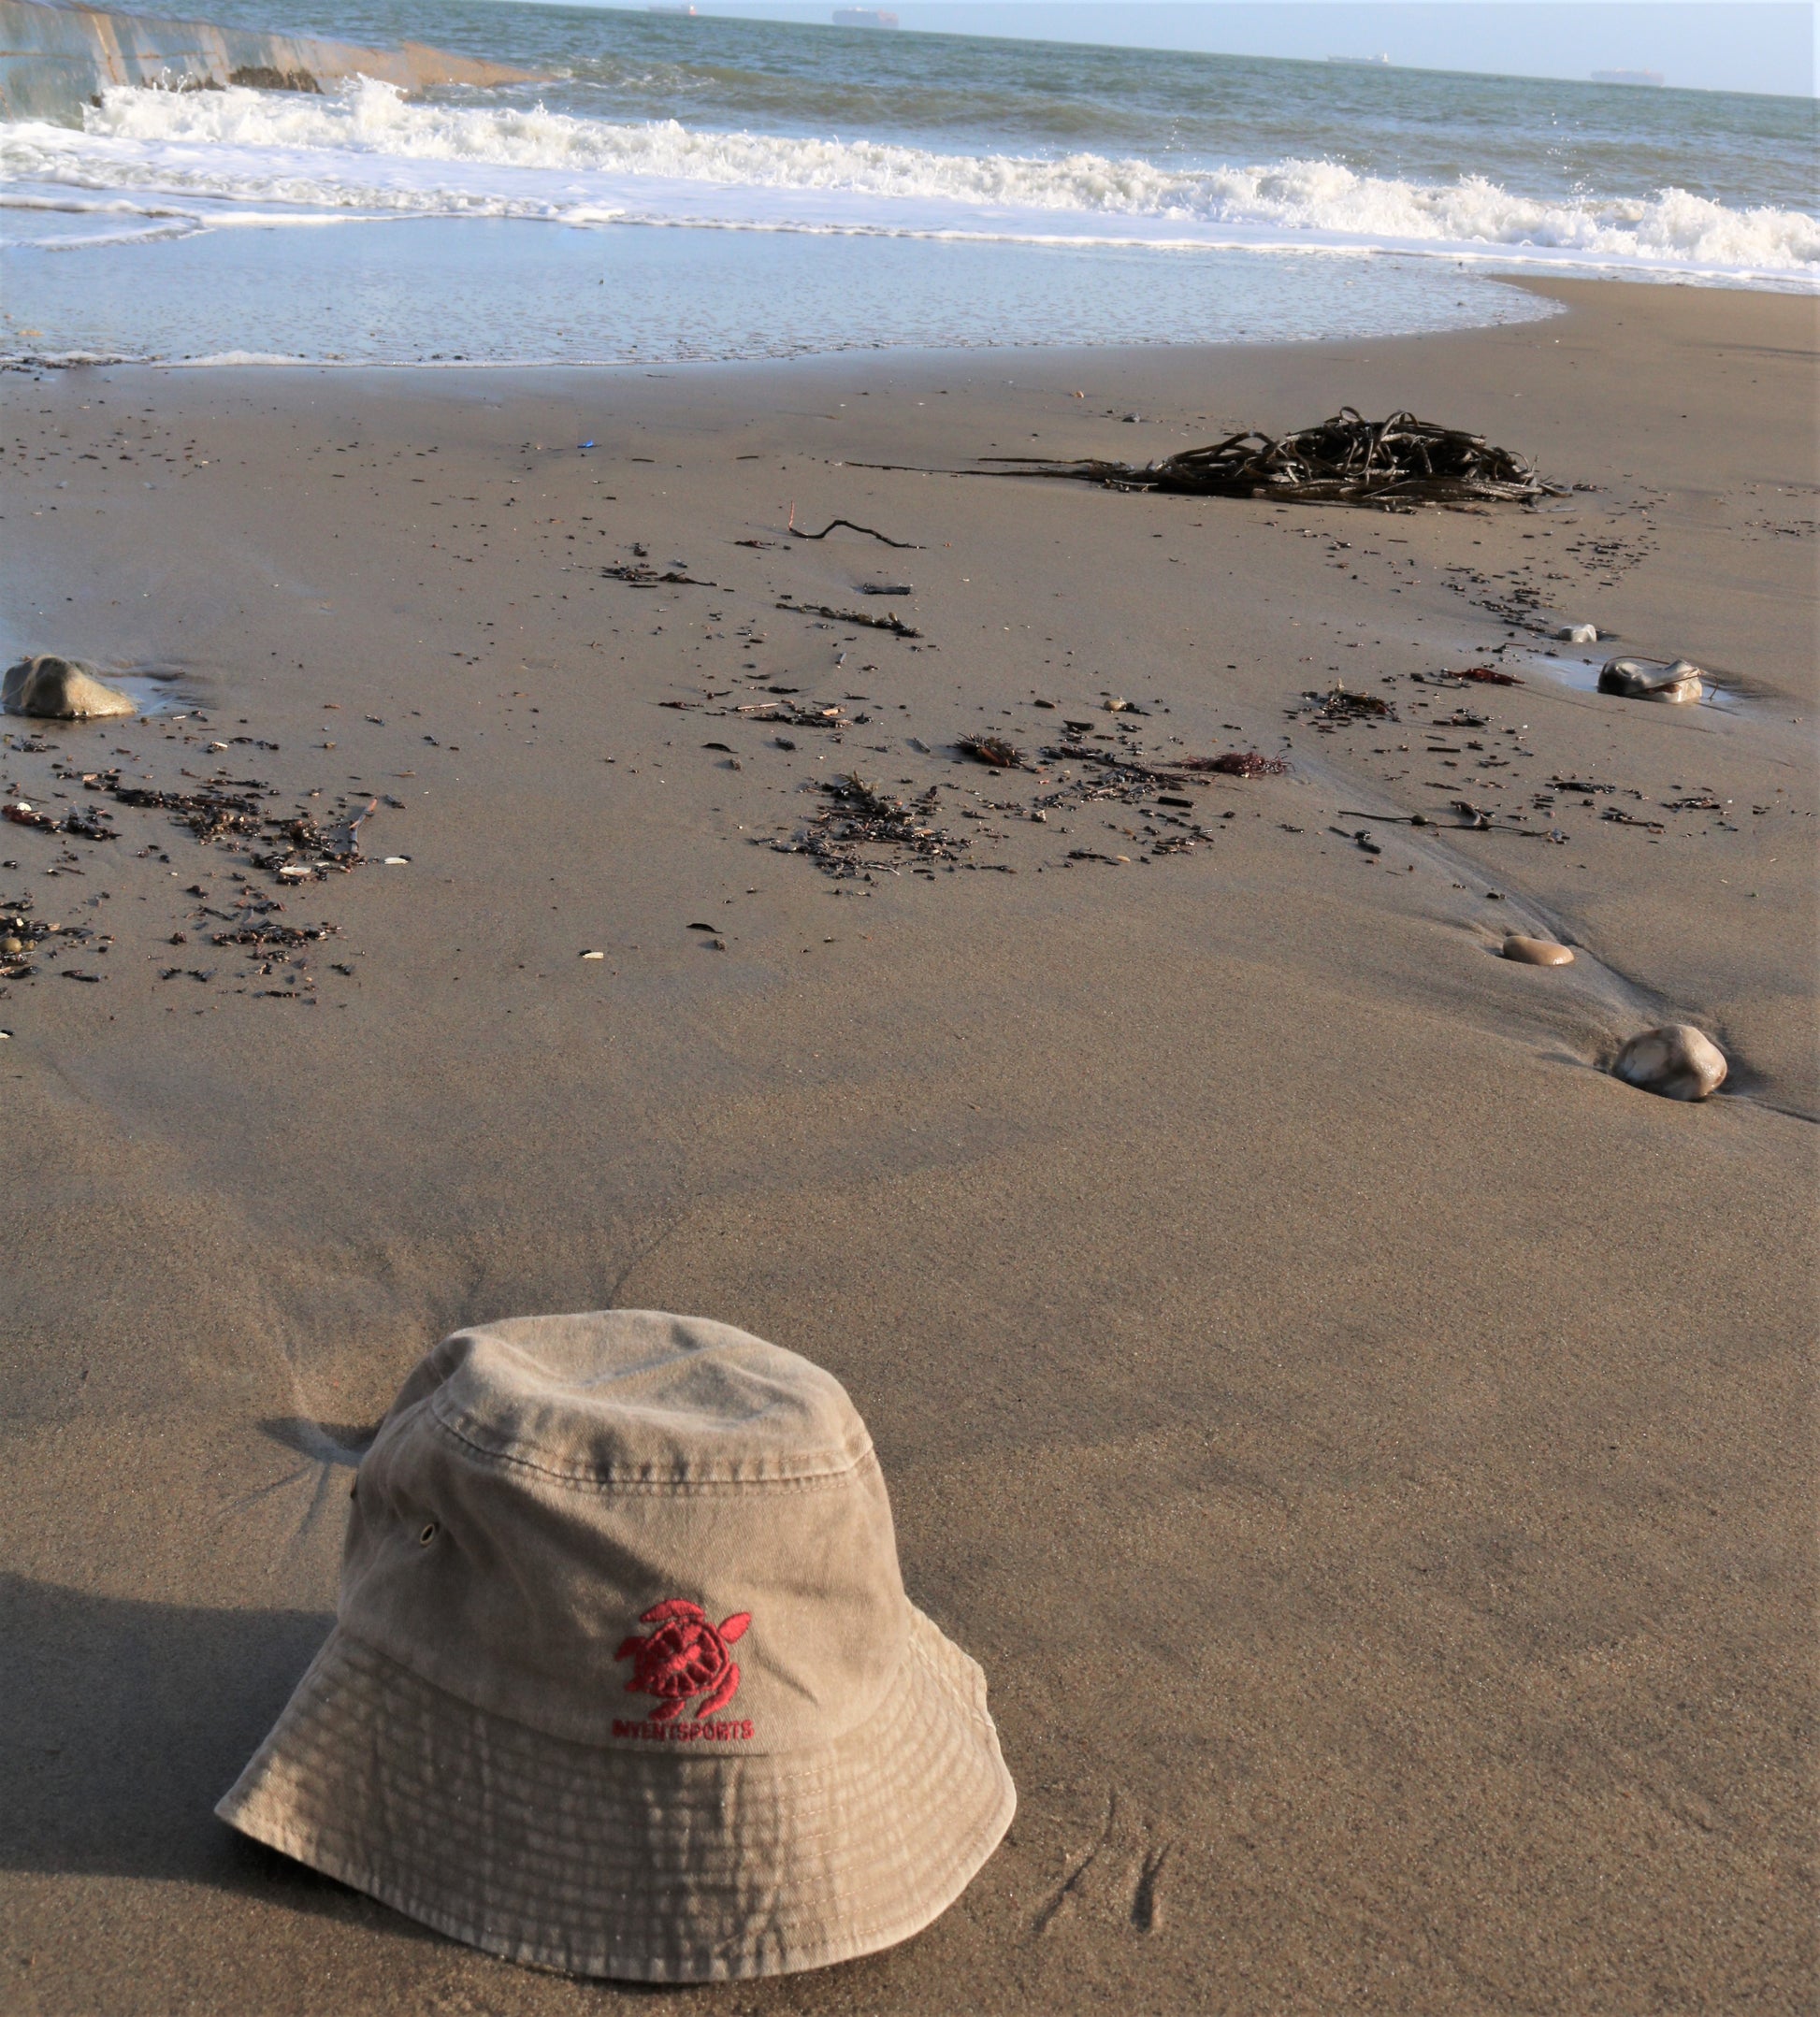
[(1364, 1443)]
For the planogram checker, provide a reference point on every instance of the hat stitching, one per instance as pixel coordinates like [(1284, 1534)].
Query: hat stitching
[(311, 1841), (612, 1481), (318, 1695), (632, 1962)]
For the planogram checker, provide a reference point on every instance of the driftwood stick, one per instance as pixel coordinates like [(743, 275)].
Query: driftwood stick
[(872, 532)]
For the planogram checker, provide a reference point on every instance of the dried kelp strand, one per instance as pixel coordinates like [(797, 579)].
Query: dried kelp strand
[(1345, 460)]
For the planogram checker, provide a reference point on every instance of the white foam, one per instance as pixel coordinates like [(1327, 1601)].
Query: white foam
[(369, 150), (238, 357)]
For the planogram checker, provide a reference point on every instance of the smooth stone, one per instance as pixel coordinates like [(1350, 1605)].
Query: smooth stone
[(1677, 681), (1677, 1061), (1577, 634), (1536, 952), (60, 689)]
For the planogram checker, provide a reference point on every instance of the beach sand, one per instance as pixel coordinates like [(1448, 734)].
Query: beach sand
[(1364, 1443)]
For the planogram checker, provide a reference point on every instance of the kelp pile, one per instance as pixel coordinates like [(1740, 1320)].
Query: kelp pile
[(1386, 464)]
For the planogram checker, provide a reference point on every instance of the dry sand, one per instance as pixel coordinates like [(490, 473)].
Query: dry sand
[(1365, 1444)]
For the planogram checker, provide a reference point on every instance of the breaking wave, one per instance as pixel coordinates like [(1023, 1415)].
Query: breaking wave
[(368, 151)]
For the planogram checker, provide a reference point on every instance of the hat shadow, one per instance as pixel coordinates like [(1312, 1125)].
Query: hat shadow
[(127, 1721), (324, 1442)]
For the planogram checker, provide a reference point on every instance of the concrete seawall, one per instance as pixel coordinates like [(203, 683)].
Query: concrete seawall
[(55, 58)]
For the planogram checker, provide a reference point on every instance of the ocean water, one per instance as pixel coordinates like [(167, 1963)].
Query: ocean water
[(679, 188)]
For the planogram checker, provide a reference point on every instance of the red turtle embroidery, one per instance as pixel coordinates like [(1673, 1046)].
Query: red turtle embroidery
[(685, 1656)]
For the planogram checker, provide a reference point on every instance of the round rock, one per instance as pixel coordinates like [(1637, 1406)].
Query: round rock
[(1676, 680), (1577, 634), (60, 689), (1677, 1061), (1536, 952)]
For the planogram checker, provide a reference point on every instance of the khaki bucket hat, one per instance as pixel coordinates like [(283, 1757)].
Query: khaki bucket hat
[(623, 1680)]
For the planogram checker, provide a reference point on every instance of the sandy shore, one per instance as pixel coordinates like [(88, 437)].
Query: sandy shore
[(1364, 1443)]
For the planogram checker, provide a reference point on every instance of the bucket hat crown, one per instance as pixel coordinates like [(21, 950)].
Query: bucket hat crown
[(624, 1679)]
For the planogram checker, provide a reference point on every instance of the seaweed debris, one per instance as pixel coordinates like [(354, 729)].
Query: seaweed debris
[(1121, 771), (857, 816), (1129, 781), (210, 815), (1392, 464), (257, 929), (993, 750), (1588, 785), (21, 936), (1238, 763), (86, 825), (1486, 676), (642, 577), (895, 625), (794, 715), (1338, 705), (231, 811)]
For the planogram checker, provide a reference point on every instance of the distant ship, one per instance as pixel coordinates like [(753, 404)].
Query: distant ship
[(656, 8), (1628, 76), (1373, 60), (864, 17)]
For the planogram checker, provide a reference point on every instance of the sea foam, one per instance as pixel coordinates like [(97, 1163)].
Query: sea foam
[(368, 151)]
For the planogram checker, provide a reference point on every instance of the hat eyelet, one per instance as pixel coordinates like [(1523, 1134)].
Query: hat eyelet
[(428, 1535)]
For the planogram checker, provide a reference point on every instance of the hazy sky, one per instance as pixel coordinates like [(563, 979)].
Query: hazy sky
[(1726, 44)]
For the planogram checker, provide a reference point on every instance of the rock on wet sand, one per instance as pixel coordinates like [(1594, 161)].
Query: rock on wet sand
[(60, 689), (1677, 1061), (1676, 680), (1536, 952)]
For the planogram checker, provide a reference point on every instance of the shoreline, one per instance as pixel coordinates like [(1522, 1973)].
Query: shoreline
[(1301, 1378), (719, 277), (339, 296)]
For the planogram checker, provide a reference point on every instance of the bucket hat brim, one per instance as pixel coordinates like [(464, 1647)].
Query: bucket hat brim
[(640, 1865)]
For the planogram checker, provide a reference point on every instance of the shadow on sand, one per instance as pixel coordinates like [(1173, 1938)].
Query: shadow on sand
[(127, 1721)]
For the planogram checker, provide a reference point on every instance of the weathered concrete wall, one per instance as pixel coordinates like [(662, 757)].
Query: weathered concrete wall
[(55, 56)]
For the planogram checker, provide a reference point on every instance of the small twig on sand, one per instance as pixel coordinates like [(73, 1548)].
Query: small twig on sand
[(872, 532)]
